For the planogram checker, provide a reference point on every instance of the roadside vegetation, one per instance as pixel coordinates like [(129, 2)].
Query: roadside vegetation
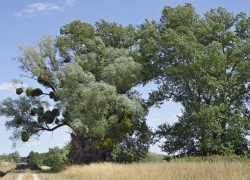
[(5, 167), (11, 157)]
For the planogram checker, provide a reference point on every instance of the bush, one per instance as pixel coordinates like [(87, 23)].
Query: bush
[(56, 158), (35, 159)]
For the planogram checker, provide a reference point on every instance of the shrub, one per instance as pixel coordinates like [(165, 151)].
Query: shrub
[(56, 158)]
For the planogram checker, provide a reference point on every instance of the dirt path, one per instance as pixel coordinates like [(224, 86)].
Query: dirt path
[(20, 176), (28, 175), (35, 177), (23, 172)]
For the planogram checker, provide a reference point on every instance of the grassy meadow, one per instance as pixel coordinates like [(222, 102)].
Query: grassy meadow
[(191, 168), (161, 171)]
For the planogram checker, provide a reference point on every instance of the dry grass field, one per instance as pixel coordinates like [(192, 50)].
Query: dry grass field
[(53, 176), (10, 176), (161, 171), (144, 171), (5, 167)]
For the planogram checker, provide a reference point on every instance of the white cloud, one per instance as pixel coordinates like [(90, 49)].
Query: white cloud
[(28, 10), (37, 8), (18, 14), (44, 6), (70, 2), (6, 86), (54, 7)]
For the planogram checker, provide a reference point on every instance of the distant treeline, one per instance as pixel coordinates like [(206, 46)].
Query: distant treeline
[(12, 157)]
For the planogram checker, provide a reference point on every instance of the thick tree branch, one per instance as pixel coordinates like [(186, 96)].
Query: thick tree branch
[(51, 129)]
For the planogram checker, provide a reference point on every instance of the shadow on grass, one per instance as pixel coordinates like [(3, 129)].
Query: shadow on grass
[(47, 172), (3, 173)]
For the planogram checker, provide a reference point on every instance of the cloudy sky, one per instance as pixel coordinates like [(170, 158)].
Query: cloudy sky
[(24, 21)]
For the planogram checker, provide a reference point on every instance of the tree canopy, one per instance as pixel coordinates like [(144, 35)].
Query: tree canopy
[(89, 73), (204, 64), (89, 77)]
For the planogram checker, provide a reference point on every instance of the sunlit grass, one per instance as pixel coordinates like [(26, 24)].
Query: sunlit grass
[(5, 167), (161, 171), (45, 168)]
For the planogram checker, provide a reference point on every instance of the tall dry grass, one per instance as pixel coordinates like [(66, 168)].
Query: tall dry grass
[(5, 167), (162, 171)]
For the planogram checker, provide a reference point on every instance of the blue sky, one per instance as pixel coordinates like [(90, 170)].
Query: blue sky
[(24, 21)]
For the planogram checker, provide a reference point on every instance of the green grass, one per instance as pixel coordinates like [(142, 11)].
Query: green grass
[(213, 158), (52, 175), (46, 172)]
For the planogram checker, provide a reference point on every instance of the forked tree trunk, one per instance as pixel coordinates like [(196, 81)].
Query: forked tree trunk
[(76, 141)]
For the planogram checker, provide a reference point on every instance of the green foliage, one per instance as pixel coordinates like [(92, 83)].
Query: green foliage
[(48, 117), (44, 80), (36, 92), (200, 62), (203, 64), (52, 95), (121, 155), (33, 111), (56, 158), (35, 159), (57, 121), (9, 109), (82, 65), (89, 71), (28, 91), (19, 121), (55, 112), (25, 136), (40, 111), (115, 35), (19, 91), (210, 158), (11, 157)]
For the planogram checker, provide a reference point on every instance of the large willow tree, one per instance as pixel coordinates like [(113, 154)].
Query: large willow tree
[(88, 74), (202, 63)]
